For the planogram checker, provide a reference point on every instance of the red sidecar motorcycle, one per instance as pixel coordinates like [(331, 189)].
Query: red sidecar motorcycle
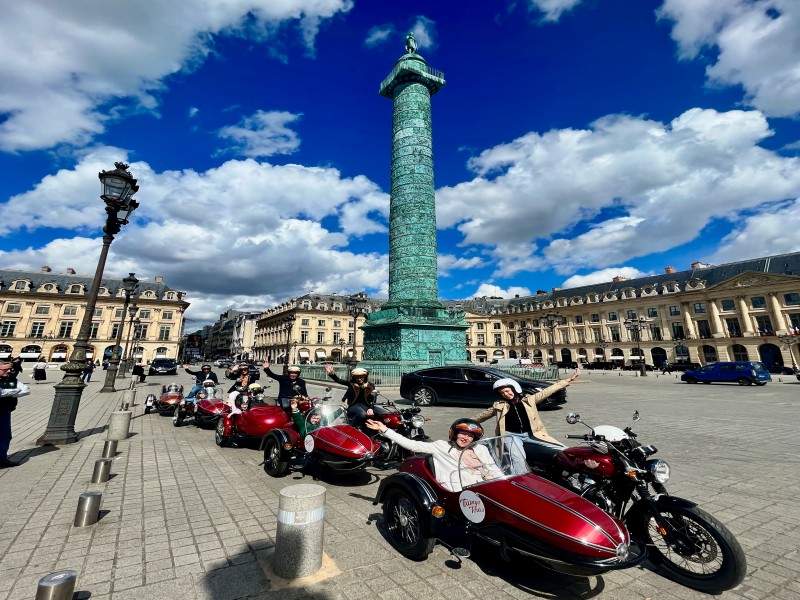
[(321, 438), (171, 396), (252, 420), (208, 411), (505, 505)]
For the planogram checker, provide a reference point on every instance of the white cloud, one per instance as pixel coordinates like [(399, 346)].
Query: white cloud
[(193, 110), (490, 289), (379, 34), (68, 66), (262, 134), (450, 262), (602, 276), (664, 182), (553, 9), (424, 30), (756, 45), (773, 231)]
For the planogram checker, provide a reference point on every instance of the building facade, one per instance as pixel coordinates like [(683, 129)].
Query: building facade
[(314, 327), (735, 311), (41, 314), (243, 335)]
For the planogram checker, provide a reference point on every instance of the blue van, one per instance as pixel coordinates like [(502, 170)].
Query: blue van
[(746, 372)]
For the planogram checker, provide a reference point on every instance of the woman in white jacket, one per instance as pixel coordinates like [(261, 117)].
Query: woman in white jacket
[(455, 464)]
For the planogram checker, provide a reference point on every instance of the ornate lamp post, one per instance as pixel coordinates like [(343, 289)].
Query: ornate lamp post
[(119, 186), (551, 321), (789, 340), (635, 326), (357, 307), (524, 333), (132, 310), (342, 345), (289, 323), (128, 287)]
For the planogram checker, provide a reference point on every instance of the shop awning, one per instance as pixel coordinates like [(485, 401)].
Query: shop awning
[(617, 358), (5, 354), (320, 353), (55, 355), (636, 358), (582, 354), (304, 354)]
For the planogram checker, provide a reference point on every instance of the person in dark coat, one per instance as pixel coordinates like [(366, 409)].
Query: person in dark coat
[(138, 371), (359, 396), (200, 377), (289, 385), (39, 370), (10, 390), (88, 369), (16, 366)]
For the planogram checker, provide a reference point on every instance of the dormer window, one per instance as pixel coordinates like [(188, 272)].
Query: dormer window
[(103, 291), (20, 285), (75, 289), (170, 296)]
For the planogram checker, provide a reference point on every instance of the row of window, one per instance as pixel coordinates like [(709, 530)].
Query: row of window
[(322, 323), (22, 285), (67, 328), (71, 310), (337, 337)]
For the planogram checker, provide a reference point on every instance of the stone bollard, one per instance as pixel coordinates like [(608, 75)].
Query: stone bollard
[(129, 396), (110, 449), (88, 509), (298, 541), (102, 470), (119, 425), (57, 586)]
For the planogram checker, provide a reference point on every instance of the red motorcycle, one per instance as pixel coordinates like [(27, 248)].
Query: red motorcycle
[(322, 439), (405, 421), (171, 396), (208, 411), (616, 472), (500, 502), (252, 420)]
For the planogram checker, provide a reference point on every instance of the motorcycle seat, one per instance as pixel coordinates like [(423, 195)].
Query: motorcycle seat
[(540, 452)]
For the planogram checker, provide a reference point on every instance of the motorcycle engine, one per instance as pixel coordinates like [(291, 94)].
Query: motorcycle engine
[(585, 486)]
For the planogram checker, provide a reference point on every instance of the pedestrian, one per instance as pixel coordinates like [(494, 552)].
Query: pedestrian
[(138, 371), (88, 369), (40, 370), (10, 390), (16, 365), (105, 364)]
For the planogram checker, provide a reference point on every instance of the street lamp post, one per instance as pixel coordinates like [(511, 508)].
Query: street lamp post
[(551, 321), (137, 335), (789, 340), (289, 322), (524, 332), (118, 188), (125, 364), (342, 345), (358, 304), (635, 325), (128, 287)]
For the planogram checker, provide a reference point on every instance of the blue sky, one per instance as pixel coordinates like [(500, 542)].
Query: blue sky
[(574, 140)]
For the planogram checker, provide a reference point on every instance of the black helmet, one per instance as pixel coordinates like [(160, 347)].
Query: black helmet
[(470, 426)]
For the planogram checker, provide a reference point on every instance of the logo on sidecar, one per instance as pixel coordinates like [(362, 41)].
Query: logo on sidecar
[(308, 443), (472, 506)]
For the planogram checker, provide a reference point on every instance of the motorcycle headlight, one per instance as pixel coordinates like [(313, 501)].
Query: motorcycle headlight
[(659, 469), (417, 421)]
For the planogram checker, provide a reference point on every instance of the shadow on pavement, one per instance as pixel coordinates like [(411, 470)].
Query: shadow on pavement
[(92, 431), (23, 456)]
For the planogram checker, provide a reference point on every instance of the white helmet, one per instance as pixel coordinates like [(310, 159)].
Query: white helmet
[(507, 382)]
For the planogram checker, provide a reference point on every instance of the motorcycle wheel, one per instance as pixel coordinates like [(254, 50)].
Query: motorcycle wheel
[(274, 465), (177, 420), (702, 553), (219, 435), (405, 525)]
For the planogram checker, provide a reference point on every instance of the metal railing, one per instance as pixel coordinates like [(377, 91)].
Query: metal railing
[(418, 66)]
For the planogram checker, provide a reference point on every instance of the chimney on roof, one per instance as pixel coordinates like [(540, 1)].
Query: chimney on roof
[(700, 265), (516, 295), (46, 269), (158, 279), (70, 271), (619, 278), (540, 292), (669, 269)]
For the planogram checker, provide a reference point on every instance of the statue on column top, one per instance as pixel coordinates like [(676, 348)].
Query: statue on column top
[(411, 44)]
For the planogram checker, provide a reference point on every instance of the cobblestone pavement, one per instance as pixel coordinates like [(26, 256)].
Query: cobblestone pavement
[(186, 519)]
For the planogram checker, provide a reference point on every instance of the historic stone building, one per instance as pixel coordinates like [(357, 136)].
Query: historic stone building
[(734, 311), (41, 314), (316, 327)]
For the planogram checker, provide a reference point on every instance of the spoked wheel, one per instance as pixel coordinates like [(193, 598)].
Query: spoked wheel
[(694, 549), (219, 435), (405, 526), (274, 463), (423, 396), (177, 418)]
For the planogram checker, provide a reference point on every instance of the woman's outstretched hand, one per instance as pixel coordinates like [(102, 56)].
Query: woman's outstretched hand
[(376, 425)]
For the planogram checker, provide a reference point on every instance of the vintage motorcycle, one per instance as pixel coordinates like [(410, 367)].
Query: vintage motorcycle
[(171, 396), (498, 501), (617, 473), (405, 421)]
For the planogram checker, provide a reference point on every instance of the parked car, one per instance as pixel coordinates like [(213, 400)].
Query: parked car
[(742, 372), (163, 366), (599, 365), (680, 366), (466, 385)]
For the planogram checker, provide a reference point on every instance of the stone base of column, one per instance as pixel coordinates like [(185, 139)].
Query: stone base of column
[(61, 426)]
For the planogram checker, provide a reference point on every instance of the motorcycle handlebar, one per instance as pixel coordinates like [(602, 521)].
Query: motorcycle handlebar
[(586, 437)]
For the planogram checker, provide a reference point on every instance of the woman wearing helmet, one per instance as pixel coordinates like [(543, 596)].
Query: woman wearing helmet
[(456, 462), (256, 393), (359, 396), (516, 413)]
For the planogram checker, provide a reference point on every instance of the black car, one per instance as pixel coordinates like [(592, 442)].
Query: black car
[(163, 366), (466, 384), (680, 367)]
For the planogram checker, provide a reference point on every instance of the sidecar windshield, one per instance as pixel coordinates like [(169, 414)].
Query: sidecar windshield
[(491, 459), (174, 387), (325, 416)]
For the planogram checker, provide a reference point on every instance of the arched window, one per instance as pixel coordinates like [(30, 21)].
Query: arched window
[(161, 352), (5, 350), (659, 356), (511, 354), (739, 352), (480, 355), (709, 354), (771, 356), (75, 289)]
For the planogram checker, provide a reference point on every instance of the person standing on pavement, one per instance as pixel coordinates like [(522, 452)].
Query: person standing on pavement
[(289, 385), (10, 390), (40, 370), (88, 369), (138, 371), (16, 366)]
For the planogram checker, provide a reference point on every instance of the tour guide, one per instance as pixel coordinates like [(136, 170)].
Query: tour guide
[(287, 385), (517, 413)]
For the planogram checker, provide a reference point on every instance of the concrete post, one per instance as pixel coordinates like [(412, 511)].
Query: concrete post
[(88, 509), (298, 542), (119, 425), (57, 586), (102, 469), (129, 396), (110, 449)]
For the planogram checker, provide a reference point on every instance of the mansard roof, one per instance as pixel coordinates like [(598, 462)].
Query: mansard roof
[(63, 281)]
